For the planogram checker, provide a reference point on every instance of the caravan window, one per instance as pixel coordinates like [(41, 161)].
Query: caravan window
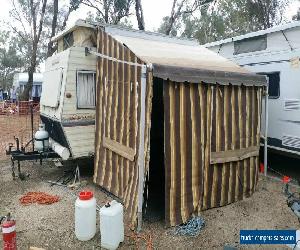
[(68, 40), (251, 44), (86, 89), (274, 84)]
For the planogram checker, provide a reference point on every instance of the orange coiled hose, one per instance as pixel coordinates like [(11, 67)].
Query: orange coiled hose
[(38, 197)]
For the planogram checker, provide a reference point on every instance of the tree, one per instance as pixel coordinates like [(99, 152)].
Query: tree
[(34, 23), (10, 59), (139, 14), (180, 8), (110, 11), (51, 47), (57, 21), (297, 16), (222, 19), (267, 13), (28, 23)]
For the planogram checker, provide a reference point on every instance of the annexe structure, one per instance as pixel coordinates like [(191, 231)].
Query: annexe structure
[(196, 113)]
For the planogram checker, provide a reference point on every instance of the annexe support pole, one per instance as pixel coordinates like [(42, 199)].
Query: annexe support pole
[(141, 155), (31, 117), (266, 129)]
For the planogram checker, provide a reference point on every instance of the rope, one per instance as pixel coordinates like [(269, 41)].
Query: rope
[(192, 228), (38, 197), (115, 59)]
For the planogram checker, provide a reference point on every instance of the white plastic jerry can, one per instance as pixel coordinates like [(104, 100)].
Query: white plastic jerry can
[(111, 225), (85, 216)]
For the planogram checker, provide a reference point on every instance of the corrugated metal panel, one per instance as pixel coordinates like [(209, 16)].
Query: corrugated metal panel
[(117, 118), (174, 54), (235, 126), (200, 119), (181, 74), (168, 56)]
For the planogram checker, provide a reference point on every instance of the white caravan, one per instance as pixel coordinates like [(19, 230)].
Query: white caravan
[(20, 80), (274, 52), (68, 100)]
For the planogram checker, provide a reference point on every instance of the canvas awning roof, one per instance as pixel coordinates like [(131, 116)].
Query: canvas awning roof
[(183, 60)]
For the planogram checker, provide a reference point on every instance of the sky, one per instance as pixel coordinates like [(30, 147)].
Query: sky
[(154, 11)]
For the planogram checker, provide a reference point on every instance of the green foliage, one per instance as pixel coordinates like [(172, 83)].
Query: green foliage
[(11, 60), (297, 16), (237, 17), (109, 11), (164, 26), (227, 18)]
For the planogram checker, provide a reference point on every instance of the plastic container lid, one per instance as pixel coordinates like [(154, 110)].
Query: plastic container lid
[(8, 223), (86, 195), (286, 179)]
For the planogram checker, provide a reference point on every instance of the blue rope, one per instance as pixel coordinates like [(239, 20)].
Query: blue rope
[(192, 228)]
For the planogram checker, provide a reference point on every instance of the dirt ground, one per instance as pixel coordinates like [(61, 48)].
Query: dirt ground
[(16, 125), (52, 226)]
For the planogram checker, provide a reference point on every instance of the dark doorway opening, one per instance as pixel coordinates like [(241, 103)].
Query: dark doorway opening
[(154, 195)]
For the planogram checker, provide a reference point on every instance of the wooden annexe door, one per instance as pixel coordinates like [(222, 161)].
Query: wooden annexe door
[(211, 146), (118, 116)]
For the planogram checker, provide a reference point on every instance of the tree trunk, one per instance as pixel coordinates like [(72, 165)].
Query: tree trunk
[(51, 48), (171, 19), (73, 6), (25, 96), (106, 11), (139, 14)]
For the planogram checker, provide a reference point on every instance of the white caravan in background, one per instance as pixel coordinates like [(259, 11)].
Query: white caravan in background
[(274, 52)]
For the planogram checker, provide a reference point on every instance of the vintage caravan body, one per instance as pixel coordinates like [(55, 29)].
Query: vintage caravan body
[(274, 52), (68, 98)]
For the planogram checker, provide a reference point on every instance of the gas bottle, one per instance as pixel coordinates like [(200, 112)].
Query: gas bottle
[(85, 216), (111, 225), (41, 139), (9, 235)]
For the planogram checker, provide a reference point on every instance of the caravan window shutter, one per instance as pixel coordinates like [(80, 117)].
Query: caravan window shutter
[(249, 45), (86, 89)]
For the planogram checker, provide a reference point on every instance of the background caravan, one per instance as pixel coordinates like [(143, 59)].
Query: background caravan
[(274, 52)]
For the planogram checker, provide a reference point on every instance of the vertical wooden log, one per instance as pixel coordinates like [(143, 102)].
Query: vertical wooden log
[(183, 151), (226, 166), (195, 150)]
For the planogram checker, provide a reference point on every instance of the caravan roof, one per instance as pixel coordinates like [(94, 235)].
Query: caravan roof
[(257, 33), (177, 59), (183, 60)]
